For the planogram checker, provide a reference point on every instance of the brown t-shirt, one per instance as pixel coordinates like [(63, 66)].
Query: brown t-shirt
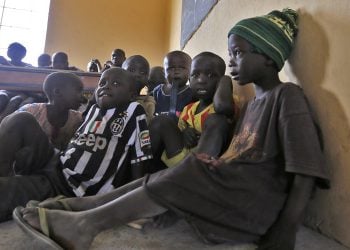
[(279, 128)]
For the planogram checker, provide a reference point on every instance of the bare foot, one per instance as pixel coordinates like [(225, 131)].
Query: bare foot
[(165, 220), (68, 204), (66, 228)]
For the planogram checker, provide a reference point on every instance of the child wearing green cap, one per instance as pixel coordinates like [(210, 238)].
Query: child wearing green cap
[(255, 192)]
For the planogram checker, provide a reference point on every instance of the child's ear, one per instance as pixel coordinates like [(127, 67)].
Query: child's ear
[(270, 62), (56, 91)]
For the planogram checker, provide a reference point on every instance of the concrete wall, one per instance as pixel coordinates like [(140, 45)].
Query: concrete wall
[(174, 24), (320, 64), (92, 29)]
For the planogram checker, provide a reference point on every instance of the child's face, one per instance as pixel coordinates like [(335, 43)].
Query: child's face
[(140, 70), (114, 89), (117, 58), (156, 77), (16, 55), (72, 94), (59, 62), (177, 69), (205, 74), (246, 66), (92, 67)]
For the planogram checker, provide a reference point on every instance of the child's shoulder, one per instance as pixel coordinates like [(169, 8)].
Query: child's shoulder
[(33, 107), (289, 87), (158, 88), (289, 91), (135, 107), (75, 114), (192, 105), (145, 99)]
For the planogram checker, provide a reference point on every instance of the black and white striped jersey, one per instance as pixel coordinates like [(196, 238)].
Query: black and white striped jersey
[(100, 156)]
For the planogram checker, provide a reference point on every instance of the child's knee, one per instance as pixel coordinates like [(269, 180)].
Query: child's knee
[(160, 122), (15, 121), (217, 122)]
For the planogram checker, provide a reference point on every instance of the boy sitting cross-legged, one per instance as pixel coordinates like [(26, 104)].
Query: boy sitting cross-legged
[(109, 149)]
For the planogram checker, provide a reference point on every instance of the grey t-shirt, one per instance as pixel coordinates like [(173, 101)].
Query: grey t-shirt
[(274, 137)]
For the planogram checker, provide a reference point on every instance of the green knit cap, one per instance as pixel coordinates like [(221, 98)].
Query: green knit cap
[(272, 34)]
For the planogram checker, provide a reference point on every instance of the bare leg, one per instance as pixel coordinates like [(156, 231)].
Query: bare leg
[(22, 141), (165, 135), (90, 202), (76, 230), (215, 135), (12, 105)]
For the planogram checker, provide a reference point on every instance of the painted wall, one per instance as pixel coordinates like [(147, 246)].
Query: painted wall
[(320, 64), (92, 29), (174, 24)]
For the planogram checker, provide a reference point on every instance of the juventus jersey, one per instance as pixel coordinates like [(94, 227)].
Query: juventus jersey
[(104, 148)]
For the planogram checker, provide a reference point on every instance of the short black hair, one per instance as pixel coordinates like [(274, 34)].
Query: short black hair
[(44, 60), (220, 61), (17, 46), (139, 58), (119, 51), (16, 49), (178, 53), (59, 80)]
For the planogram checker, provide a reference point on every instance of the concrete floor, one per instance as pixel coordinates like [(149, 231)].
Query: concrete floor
[(179, 236)]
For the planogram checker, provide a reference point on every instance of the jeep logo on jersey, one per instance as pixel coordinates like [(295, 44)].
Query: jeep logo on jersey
[(117, 126), (92, 141)]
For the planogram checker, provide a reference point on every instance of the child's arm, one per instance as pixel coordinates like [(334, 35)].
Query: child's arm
[(139, 169), (223, 98), (190, 137), (282, 234)]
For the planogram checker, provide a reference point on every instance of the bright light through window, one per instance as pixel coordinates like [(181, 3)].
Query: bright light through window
[(24, 21)]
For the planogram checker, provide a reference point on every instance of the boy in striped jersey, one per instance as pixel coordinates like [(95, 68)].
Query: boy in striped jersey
[(110, 149), (172, 144)]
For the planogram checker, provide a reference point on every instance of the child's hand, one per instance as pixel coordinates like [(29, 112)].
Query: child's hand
[(191, 137), (212, 162)]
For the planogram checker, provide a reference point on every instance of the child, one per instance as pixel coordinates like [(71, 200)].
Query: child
[(3, 61), (259, 187), (139, 68), (16, 52), (44, 61), (58, 118), (173, 96), (156, 77), (172, 142), (94, 66), (60, 61), (117, 59), (109, 149)]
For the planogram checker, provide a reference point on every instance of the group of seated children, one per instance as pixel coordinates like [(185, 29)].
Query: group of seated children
[(16, 52), (235, 175), (74, 157)]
